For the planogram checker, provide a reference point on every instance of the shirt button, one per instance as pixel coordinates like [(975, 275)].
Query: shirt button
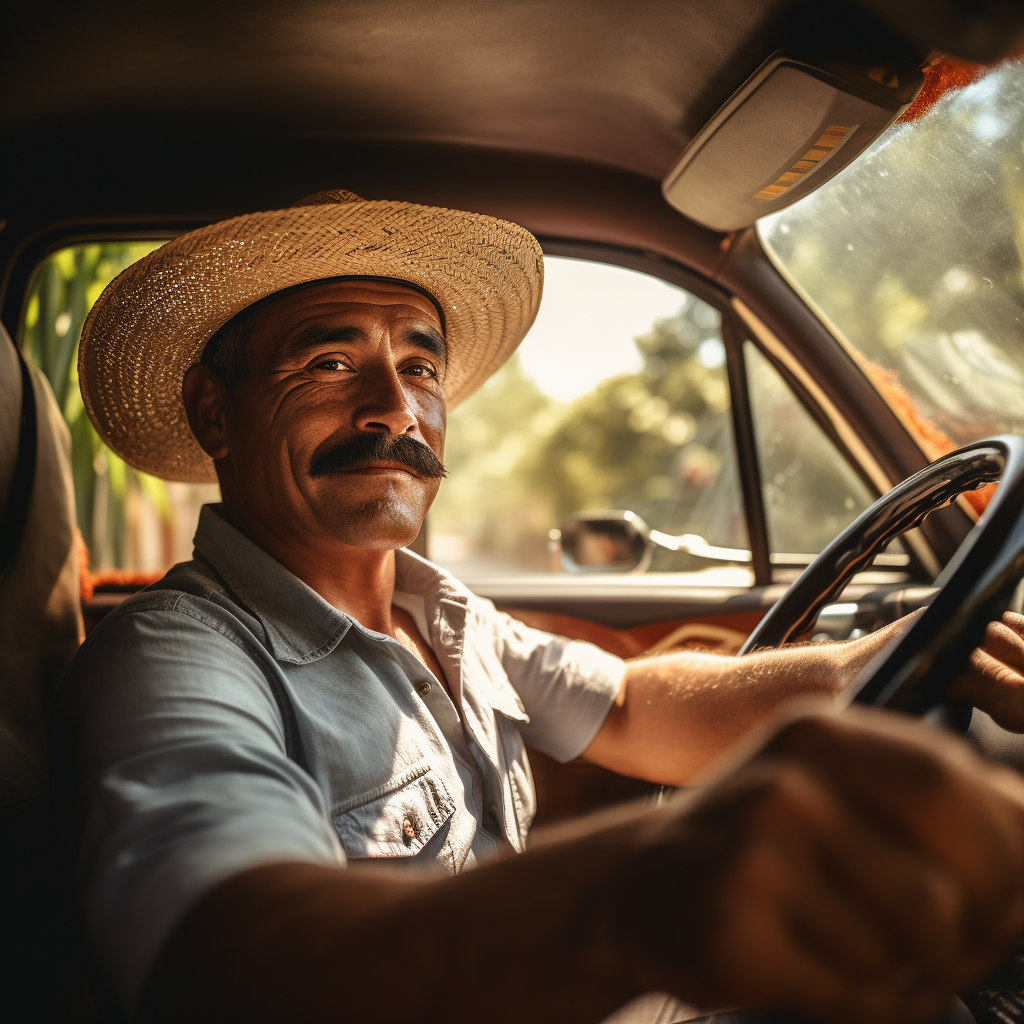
[(409, 832), (423, 688)]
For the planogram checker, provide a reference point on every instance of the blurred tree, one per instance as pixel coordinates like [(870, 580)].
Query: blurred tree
[(485, 497), (68, 284), (657, 442)]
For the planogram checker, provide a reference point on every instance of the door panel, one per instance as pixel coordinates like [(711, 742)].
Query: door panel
[(723, 634)]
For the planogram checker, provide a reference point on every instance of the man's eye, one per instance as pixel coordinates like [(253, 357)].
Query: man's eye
[(420, 370), (330, 364)]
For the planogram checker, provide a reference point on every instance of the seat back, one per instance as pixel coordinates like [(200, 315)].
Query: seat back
[(40, 630), (40, 608)]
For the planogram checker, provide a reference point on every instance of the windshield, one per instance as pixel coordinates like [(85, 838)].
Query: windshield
[(913, 256)]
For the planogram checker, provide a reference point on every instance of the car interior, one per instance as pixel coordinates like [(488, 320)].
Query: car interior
[(646, 137)]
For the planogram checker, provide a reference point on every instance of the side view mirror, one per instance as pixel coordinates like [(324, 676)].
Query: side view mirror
[(620, 541)]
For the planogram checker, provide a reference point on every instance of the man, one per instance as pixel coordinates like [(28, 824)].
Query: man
[(263, 750)]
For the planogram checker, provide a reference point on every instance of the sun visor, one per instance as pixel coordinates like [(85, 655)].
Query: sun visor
[(789, 128)]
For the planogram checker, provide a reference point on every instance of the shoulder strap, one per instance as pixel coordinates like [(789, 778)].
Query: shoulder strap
[(15, 512)]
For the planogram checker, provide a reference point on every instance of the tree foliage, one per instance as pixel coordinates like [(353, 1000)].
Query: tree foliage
[(68, 284), (914, 253), (657, 442)]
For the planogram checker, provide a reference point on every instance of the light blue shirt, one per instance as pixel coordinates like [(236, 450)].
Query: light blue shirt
[(228, 716)]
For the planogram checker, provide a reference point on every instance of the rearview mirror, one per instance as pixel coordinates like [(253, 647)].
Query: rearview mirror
[(620, 541)]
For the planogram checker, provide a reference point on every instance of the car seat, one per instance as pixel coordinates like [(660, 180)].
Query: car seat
[(40, 629)]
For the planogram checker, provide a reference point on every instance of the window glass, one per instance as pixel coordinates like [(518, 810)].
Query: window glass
[(129, 520), (617, 399), (811, 493), (913, 255)]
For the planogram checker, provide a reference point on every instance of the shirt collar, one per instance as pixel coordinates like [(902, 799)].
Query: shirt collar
[(300, 625)]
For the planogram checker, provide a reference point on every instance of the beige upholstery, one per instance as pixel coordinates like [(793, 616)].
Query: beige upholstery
[(40, 613)]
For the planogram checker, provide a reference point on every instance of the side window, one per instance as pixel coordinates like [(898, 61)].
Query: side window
[(128, 520), (617, 399), (810, 490)]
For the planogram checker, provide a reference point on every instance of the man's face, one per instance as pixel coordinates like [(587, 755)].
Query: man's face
[(325, 435)]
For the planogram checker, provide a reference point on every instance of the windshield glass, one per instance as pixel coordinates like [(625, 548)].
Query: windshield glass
[(913, 256)]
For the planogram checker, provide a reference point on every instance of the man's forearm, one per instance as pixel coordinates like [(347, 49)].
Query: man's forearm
[(677, 713), (301, 942), (783, 885)]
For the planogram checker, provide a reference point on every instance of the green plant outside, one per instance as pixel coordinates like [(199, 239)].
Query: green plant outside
[(68, 284)]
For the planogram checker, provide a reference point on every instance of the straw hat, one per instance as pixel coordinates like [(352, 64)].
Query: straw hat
[(151, 323)]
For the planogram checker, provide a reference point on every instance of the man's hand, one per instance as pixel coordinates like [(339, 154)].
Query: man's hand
[(994, 680), (859, 867)]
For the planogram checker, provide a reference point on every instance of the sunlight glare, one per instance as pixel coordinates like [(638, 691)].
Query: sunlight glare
[(588, 318)]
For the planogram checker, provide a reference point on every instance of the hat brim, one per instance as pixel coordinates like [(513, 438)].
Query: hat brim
[(152, 321)]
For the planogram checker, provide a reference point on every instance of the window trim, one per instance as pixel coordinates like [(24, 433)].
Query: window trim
[(810, 395), (747, 466), (740, 324), (747, 462), (28, 263), (644, 262)]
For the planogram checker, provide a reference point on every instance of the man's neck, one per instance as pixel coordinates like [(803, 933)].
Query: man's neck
[(357, 581)]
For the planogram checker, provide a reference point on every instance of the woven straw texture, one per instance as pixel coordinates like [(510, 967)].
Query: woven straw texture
[(151, 323)]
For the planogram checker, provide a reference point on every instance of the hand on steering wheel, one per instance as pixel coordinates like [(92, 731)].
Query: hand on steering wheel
[(914, 673)]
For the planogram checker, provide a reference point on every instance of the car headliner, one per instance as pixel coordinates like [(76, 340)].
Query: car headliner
[(183, 112), (621, 83)]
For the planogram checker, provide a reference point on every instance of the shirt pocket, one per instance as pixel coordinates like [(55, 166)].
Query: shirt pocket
[(397, 819)]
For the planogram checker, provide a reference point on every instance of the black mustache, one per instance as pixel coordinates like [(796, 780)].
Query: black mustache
[(364, 449)]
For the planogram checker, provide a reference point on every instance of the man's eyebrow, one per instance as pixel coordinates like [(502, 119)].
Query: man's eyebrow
[(320, 334), (430, 340), (427, 338)]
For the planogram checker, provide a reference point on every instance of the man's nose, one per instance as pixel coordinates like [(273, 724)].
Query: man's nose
[(385, 408)]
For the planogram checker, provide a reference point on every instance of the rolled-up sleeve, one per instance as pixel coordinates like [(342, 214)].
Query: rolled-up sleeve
[(169, 749), (567, 686)]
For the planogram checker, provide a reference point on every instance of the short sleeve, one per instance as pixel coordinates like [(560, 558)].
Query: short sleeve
[(169, 753), (567, 686)]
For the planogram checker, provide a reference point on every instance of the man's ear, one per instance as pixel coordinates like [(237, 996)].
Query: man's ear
[(206, 400)]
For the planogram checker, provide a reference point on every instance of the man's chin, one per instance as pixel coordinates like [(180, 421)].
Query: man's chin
[(379, 524)]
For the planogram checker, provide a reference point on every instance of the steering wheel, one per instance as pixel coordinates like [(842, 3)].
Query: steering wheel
[(913, 673)]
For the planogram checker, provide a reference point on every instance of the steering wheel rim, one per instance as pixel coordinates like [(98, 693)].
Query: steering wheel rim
[(914, 671)]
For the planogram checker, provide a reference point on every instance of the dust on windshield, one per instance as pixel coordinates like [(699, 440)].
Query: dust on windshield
[(913, 256)]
